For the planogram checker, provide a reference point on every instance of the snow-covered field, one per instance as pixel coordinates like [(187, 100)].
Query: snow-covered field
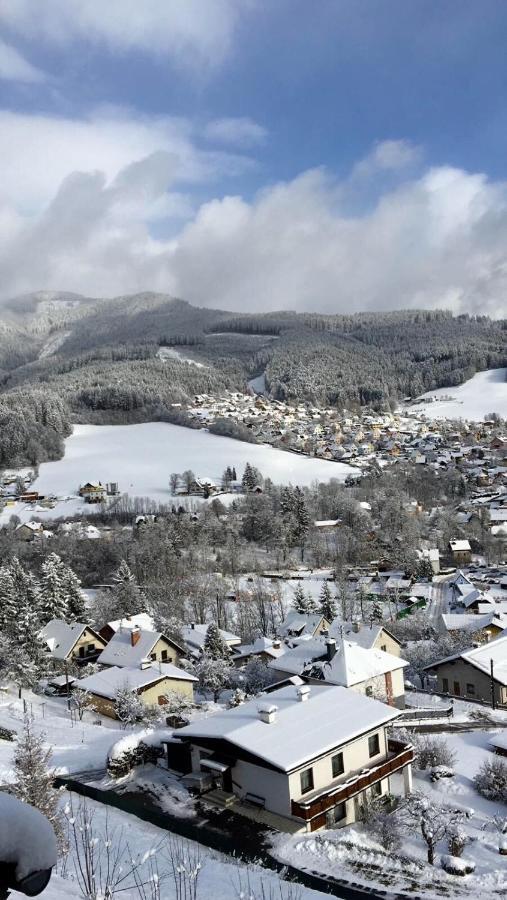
[(140, 458), (485, 393)]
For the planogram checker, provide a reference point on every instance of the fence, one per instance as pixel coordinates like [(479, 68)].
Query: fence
[(422, 713)]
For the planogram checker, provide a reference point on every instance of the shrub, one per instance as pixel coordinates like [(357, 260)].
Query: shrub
[(455, 866), (386, 829), (6, 734), (457, 840), (491, 780), (439, 772), (432, 752), (139, 755)]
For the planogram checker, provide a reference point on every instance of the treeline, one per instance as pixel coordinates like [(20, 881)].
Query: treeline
[(33, 425)]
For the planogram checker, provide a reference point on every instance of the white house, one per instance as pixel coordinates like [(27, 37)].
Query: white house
[(309, 755), (372, 672), (131, 645)]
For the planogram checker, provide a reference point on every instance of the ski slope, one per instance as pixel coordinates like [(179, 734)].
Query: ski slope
[(485, 393)]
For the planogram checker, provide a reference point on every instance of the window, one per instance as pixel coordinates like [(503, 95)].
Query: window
[(306, 781), (369, 690), (445, 685), (376, 789), (384, 648), (153, 656), (373, 745), (337, 764), (91, 648), (81, 651), (471, 689), (335, 815), (163, 655)]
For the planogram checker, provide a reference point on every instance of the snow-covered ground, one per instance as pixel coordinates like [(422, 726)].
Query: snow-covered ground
[(258, 384), (485, 393), (140, 458), (219, 875), (171, 353)]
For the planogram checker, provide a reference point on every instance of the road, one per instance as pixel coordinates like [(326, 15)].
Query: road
[(438, 604)]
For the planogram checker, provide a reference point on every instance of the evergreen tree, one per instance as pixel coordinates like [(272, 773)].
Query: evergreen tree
[(8, 604), (327, 605), (52, 598), (127, 599), (130, 709), (76, 608), (377, 613), (423, 569), (34, 779), (248, 480), (214, 645), (303, 603), (26, 597)]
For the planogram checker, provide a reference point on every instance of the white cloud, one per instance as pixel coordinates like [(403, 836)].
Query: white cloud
[(37, 151), (14, 67), (387, 156), (192, 32), (241, 132), (437, 239)]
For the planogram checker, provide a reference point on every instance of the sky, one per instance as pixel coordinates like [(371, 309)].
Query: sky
[(334, 155)]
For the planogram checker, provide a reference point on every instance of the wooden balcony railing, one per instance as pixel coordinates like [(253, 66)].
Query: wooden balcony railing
[(318, 803)]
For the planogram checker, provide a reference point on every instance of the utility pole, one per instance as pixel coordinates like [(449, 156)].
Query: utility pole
[(493, 705)]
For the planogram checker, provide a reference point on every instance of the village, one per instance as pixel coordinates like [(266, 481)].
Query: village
[(307, 665)]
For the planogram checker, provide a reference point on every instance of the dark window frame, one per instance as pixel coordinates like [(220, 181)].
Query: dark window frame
[(306, 780), (373, 745)]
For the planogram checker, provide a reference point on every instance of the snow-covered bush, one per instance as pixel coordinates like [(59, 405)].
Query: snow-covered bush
[(432, 752), (438, 772), (237, 698), (457, 840), (453, 865), (140, 755), (491, 780), (6, 734), (386, 829)]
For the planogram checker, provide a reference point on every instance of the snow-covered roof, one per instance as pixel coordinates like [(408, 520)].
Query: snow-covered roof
[(326, 523), (295, 660), (141, 620), (357, 633), (471, 621), (261, 645), (480, 658), (459, 546), (298, 623), (330, 717), (33, 526), (61, 637), (352, 664), (108, 682), (195, 635), (120, 652)]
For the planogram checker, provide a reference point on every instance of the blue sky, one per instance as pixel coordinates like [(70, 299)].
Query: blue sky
[(257, 152)]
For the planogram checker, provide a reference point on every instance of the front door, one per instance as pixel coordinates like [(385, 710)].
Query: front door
[(456, 688), (227, 781)]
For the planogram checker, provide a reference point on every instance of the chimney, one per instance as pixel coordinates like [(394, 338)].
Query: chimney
[(356, 627), (135, 634), (303, 693), (267, 713), (330, 648)]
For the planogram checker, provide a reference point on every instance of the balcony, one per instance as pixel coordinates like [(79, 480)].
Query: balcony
[(319, 802)]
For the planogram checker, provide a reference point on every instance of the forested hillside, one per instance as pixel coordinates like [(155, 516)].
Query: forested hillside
[(132, 358)]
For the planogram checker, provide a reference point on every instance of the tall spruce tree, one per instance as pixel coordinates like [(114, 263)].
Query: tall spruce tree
[(327, 604), (214, 645), (52, 598), (76, 607), (8, 604), (127, 599)]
